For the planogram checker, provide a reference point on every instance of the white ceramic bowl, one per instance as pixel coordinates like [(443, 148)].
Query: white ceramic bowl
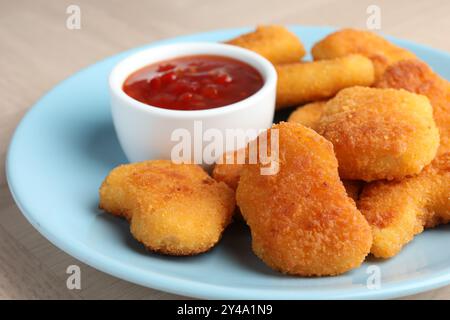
[(145, 132)]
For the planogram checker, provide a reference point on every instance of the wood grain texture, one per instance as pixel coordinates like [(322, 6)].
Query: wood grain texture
[(37, 51)]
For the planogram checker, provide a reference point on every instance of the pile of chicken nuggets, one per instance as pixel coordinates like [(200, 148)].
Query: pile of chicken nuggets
[(364, 163)]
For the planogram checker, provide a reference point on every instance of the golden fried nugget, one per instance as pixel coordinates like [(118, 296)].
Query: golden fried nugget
[(228, 173), (118, 192), (415, 76), (349, 41), (398, 210), (229, 169), (175, 209), (276, 43), (308, 114), (301, 220), (380, 133), (311, 81)]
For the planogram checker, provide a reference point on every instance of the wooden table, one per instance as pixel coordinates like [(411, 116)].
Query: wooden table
[(37, 51)]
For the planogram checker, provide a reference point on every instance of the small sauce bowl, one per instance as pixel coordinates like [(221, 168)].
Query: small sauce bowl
[(145, 132)]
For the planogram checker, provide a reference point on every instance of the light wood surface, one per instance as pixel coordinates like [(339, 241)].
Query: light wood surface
[(37, 51)]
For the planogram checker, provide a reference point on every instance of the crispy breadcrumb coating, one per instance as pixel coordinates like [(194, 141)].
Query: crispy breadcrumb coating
[(302, 221), (417, 77), (276, 43), (380, 133), (308, 114), (399, 210), (229, 168), (174, 209)]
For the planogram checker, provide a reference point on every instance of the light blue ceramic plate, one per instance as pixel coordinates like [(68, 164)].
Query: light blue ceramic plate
[(66, 145)]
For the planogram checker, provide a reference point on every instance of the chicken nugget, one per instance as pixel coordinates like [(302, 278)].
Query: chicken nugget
[(229, 169), (174, 209), (349, 41), (302, 222), (311, 81), (308, 114), (397, 211), (380, 133), (415, 76), (276, 43)]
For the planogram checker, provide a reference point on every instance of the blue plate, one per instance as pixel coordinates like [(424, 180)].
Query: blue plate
[(66, 145)]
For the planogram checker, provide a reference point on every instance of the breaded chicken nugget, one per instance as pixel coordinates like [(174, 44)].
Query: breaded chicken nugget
[(308, 114), (398, 210), (175, 209), (415, 76), (301, 220), (311, 81), (349, 41), (380, 133), (276, 43), (229, 169)]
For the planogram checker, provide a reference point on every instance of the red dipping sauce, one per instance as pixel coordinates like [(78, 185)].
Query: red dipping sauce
[(193, 82)]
